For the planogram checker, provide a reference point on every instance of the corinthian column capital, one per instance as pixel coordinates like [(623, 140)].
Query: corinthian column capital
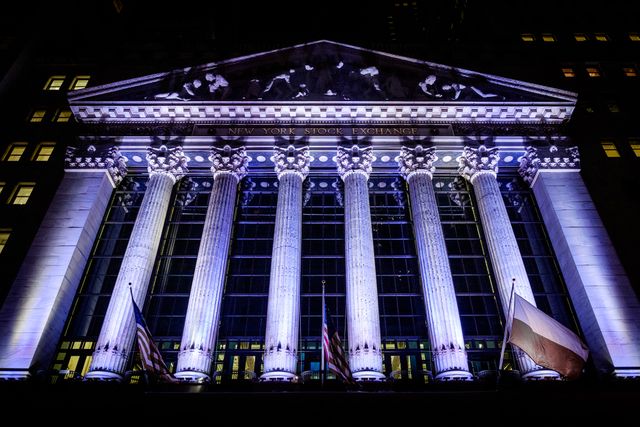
[(477, 161), (548, 158), (354, 160), (291, 160), (168, 161), (90, 157), (416, 160), (227, 160)]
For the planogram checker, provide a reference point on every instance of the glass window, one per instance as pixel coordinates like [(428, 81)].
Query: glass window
[(14, 152), (63, 116), (548, 38), (580, 37), (593, 72), (610, 149), (634, 37), (37, 116), (630, 71), (44, 151), (54, 83), (635, 146), (22, 193), (527, 37), (568, 72), (4, 236), (80, 82), (613, 107), (601, 37)]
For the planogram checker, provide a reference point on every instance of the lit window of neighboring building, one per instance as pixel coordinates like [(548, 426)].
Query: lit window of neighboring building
[(568, 72), (630, 72), (593, 72), (613, 107), (635, 146), (22, 193), (37, 116), (610, 149), (527, 37), (634, 37), (43, 152), (15, 152), (63, 116), (549, 38), (54, 83), (2, 184), (4, 236), (580, 37), (80, 82), (601, 37)]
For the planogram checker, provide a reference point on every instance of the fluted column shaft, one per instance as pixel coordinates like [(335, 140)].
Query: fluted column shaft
[(480, 167), (283, 310), (203, 313), (443, 317), (117, 335), (363, 319)]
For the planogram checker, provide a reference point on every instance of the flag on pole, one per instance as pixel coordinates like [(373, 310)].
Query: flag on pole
[(548, 342), (332, 349), (152, 362)]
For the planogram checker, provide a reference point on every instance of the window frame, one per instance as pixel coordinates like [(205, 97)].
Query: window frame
[(610, 149), (8, 154), (7, 232), (16, 193), (37, 153), (49, 86), (77, 79)]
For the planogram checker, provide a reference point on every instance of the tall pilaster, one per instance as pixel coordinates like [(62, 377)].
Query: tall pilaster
[(363, 320), (203, 313), (114, 346), (283, 310), (480, 167), (443, 318), (607, 307), (36, 308)]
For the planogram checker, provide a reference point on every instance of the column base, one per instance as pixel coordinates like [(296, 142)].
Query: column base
[(193, 377), (281, 376), (456, 375), (369, 376), (626, 373), (14, 374), (103, 376), (541, 374)]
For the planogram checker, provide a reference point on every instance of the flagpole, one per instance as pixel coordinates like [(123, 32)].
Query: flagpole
[(144, 370), (507, 326), (322, 369)]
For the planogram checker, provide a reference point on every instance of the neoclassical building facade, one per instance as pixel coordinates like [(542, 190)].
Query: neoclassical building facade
[(224, 197)]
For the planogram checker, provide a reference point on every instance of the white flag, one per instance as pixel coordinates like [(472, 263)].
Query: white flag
[(548, 342)]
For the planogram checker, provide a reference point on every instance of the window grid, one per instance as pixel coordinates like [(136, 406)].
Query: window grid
[(601, 37), (568, 72), (527, 37), (580, 37), (635, 146), (610, 149), (54, 83), (37, 116), (4, 237), (63, 116), (43, 152), (80, 82), (22, 193), (593, 72), (14, 152), (630, 71)]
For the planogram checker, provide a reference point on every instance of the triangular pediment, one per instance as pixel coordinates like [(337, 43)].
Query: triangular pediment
[(321, 72)]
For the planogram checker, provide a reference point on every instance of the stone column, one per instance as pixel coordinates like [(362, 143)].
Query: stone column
[(114, 346), (480, 167), (607, 307), (203, 313), (36, 308), (443, 318), (363, 320), (283, 311)]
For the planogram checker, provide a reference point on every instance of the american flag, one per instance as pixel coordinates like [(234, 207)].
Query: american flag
[(332, 346), (152, 362)]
